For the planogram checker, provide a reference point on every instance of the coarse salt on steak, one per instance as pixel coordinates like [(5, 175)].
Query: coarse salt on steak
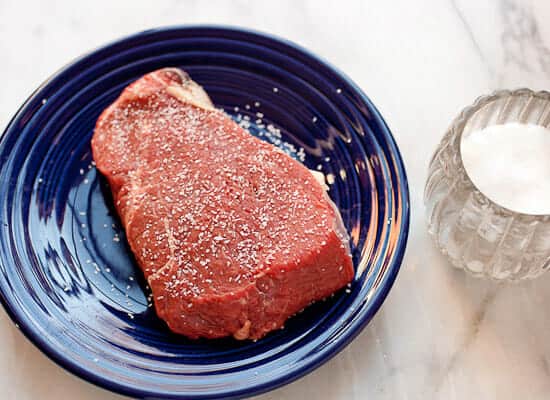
[(232, 235)]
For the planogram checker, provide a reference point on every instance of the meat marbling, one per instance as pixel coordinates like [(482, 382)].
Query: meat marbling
[(232, 235)]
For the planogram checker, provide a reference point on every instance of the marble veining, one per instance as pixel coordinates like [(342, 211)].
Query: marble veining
[(440, 334), (471, 35), (522, 39)]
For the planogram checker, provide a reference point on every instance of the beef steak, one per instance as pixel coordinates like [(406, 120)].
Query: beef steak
[(232, 235)]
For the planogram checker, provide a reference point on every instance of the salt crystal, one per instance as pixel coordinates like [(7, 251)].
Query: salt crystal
[(510, 165)]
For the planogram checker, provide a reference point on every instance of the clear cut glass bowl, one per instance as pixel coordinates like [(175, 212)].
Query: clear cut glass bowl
[(477, 234)]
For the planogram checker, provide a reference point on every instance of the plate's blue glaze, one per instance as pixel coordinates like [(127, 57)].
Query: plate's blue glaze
[(74, 289)]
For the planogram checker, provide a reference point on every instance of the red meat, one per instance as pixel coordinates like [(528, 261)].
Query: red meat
[(233, 235)]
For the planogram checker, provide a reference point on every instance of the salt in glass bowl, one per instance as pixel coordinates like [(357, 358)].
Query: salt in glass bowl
[(477, 234)]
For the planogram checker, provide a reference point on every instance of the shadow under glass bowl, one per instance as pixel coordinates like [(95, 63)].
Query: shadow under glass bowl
[(477, 234), (67, 276)]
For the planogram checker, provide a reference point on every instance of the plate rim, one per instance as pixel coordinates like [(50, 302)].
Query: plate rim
[(330, 350)]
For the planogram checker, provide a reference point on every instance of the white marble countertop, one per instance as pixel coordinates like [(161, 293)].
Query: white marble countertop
[(440, 334)]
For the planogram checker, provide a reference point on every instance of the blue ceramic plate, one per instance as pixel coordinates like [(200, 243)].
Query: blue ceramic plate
[(67, 276)]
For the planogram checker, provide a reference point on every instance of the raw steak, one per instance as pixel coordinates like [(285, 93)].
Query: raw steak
[(233, 235)]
